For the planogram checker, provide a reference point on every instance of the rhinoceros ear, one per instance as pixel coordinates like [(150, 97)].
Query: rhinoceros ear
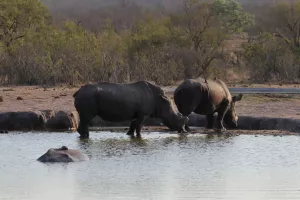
[(237, 98)]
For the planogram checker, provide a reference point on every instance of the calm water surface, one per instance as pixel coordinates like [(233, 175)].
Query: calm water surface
[(162, 166)]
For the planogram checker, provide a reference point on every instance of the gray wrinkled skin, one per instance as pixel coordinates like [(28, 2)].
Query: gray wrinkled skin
[(206, 97), (63, 154), (121, 102)]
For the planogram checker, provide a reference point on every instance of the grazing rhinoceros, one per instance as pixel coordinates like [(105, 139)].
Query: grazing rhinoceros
[(121, 102), (63, 154), (206, 97)]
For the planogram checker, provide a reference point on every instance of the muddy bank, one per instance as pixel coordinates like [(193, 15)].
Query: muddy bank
[(49, 120), (198, 130), (255, 123), (244, 123)]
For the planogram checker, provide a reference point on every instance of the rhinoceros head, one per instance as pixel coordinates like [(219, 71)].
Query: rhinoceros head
[(231, 117), (172, 119), (56, 155)]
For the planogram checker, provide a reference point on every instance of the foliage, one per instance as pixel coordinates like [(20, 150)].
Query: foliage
[(231, 16), (149, 51), (206, 26), (274, 54), (287, 26), (18, 17), (270, 59), (155, 45)]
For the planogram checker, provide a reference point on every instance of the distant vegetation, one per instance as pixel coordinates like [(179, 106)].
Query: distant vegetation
[(73, 41)]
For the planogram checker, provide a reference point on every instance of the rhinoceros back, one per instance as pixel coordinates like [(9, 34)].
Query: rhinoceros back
[(188, 95), (223, 89), (116, 102), (201, 95)]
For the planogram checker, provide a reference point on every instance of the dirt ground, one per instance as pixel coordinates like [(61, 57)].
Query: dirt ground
[(60, 98)]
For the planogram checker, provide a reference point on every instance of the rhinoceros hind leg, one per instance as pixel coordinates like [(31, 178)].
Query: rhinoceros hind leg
[(139, 125), (210, 121)]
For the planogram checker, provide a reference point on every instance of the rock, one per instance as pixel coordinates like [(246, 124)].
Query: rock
[(288, 124), (22, 121), (62, 120), (20, 98), (1, 99), (267, 123), (97, 121), (248, 123), (197, 120)]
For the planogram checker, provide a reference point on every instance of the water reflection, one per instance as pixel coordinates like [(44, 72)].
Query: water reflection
[(159, 166)]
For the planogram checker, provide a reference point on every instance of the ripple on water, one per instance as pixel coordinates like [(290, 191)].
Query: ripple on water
[(161, 166)]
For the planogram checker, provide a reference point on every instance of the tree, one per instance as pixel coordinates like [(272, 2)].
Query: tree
[(146, 48), (286, 23), (269, 59), (275, 53), (207, 25), (18, 17)]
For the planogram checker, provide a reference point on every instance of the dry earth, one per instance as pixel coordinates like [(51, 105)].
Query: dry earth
[(60, 98)]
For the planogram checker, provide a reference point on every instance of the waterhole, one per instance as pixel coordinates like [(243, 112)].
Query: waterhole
[(161, 166)]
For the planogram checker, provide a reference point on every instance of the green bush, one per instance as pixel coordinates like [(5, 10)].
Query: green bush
[(271, 60), (163, 49)]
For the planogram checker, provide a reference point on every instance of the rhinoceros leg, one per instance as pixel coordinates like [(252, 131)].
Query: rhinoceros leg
[(210, 121), (221, 113), (83, 128), (139, 124), (187, 128), (132, 128)]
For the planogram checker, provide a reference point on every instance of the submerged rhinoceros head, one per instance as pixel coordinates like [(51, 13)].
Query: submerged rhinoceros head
[(231, 118), (62, 154), (172, 119)]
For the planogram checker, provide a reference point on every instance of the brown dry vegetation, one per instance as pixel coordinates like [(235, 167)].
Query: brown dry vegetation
[(162, 41)]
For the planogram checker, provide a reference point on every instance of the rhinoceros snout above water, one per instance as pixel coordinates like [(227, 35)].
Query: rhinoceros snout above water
[(63, 154)]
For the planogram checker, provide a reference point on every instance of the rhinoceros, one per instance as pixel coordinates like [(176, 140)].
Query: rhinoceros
[(118, 102), (206, 97), (63, 154)]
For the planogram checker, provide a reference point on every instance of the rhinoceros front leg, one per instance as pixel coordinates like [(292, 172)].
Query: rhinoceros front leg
[(220, 122), (83, 128), (132, 128), (221, 113), (187, 128)]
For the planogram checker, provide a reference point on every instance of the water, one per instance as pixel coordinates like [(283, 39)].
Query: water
[(162, 166)]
